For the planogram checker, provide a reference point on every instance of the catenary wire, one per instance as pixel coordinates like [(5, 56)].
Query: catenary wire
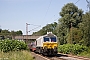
[(47, 9), (77, 1)]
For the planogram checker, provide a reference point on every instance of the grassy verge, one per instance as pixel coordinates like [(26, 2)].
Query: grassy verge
[(16, 55)]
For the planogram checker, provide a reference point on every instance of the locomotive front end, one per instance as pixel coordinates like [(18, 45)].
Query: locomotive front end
[(50, 45)]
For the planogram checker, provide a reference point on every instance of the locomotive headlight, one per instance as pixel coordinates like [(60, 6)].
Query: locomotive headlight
[(55, 47), (45, 48)]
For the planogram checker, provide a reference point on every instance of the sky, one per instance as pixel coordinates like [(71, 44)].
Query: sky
[(14, 14)]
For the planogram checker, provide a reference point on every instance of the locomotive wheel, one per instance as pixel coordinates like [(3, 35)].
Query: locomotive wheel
[(44, 53)]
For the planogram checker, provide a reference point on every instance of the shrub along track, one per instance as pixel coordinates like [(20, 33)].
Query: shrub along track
[(59, 56)]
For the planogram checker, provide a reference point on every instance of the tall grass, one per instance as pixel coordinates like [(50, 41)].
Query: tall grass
[(16, 55)]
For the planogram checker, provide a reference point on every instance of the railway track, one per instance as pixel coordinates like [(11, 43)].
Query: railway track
[(58, 57), (74, 57)]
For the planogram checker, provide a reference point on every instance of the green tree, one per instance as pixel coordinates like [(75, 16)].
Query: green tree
[(69, 14), (8, 34), (61, 32), (76, 36), (13, 33), (48, 28), (5, 32), (85, 27), (19, 32)]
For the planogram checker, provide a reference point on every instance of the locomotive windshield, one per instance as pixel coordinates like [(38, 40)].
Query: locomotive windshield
[(46, 39), (53, 39)]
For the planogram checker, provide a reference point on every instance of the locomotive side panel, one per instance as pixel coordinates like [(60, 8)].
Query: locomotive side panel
[(39, 41), (39, 44)]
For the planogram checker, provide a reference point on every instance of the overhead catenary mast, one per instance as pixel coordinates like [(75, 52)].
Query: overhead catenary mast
[(27, 32)]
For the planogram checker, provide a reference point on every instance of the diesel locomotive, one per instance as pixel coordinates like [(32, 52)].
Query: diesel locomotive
[(47, 44)]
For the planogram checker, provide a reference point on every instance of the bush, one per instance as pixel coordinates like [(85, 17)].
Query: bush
[(85, 53), (12, 45), (72, 49)]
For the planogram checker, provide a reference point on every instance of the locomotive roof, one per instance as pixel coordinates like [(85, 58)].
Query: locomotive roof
[(47, 35), (50, 35)]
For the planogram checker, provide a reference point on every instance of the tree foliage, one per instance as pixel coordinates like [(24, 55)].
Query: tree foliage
[(70, 14), (9, 34), (48, 28), (85, 28), (75, 36)]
